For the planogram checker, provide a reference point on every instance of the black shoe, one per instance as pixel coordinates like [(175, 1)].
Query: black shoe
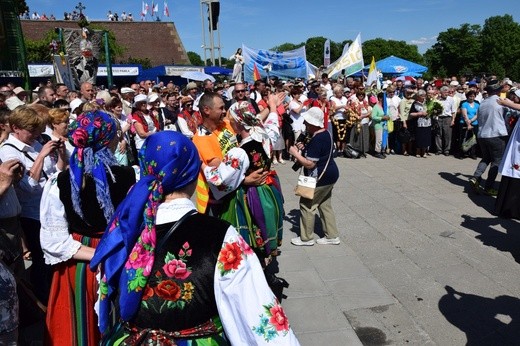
[(379, 156)]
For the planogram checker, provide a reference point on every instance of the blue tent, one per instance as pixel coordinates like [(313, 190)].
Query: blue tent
[(397, 66), (217, 70)]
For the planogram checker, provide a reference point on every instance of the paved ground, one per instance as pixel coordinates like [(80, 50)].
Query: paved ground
[(421, 262)]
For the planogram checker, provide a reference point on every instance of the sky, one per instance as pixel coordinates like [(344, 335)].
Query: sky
[(264, 24)]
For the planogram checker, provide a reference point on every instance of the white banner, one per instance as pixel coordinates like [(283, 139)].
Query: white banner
[(119, 71), (178, 70), (351, 61), (41, 70)]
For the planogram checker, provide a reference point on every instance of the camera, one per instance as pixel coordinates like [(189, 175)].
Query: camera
[(296, 167), (303, 138)]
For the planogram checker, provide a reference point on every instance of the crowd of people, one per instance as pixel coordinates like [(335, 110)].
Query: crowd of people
[(76, 15), (98, 182)]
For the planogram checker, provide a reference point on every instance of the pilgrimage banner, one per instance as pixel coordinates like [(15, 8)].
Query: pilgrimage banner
[(290, 64), (326, 53), (351, 61), (82, 47)]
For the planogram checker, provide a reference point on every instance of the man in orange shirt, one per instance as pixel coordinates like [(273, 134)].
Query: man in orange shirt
[(214, 139)]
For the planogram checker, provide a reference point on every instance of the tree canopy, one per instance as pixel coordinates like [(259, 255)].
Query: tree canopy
[(477, 51)]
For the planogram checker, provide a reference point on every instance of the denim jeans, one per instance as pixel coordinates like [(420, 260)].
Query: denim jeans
[(492, 152)]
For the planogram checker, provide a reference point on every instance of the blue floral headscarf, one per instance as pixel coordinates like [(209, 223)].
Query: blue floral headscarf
[(169, 161), (91, 134)]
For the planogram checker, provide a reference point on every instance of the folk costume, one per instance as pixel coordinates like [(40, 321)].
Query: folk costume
[(184, 278), (75, 209)]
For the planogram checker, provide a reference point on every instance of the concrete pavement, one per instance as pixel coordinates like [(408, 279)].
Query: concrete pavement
[(421, 262)]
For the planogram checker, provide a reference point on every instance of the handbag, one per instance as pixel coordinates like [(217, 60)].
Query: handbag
[(306, 185), (390, 126), (468, 143)]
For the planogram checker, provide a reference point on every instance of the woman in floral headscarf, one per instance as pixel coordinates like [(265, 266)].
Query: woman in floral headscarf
[(176, 276), (257, 211), (75, 209)]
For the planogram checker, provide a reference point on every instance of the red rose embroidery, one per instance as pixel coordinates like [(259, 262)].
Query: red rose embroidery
[(147, 293), (235, 163), (278, 318), (516, 166), (230, 256), (168, 290), (176, 269)]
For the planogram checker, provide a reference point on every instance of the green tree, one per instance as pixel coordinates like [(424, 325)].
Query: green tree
[(456, 51), (284, 47), (21, 6), (195, 59), (501, 46), (144, 62), (380, 48), (38, 50), (314, 49)]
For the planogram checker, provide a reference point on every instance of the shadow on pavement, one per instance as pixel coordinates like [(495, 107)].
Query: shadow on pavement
[(293, 217), (486, 321), (481, 200), (507, 242)]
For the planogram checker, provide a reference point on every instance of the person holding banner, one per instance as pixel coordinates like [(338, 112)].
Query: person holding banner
[(237, 68)]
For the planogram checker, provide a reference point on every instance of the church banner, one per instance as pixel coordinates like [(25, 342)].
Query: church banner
[(351, 61), (290, 64)]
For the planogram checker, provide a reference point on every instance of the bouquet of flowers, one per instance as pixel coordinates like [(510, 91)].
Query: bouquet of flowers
[(434, 108)]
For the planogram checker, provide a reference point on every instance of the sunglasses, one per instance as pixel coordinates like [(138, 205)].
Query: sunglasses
[(240, 91), (188, 105)]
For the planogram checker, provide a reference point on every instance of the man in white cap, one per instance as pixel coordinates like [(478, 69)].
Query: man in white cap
[(127, 96)]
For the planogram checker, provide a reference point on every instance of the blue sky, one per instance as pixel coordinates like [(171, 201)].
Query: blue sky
[(264, 24)]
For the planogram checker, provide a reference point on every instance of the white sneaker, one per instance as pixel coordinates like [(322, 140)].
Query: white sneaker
[(281, 161), (299, 242), (328, 241), (275, 161)]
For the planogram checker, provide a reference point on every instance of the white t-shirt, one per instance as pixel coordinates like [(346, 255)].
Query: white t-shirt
[(340, 106), (151, 128), (297, 119)]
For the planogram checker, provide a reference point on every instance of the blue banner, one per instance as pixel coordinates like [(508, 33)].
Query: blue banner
[(290, 64)]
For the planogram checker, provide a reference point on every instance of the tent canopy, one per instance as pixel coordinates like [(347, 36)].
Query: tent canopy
[(398, 66)]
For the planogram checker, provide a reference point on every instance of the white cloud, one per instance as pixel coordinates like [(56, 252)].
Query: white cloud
[(424, 41)]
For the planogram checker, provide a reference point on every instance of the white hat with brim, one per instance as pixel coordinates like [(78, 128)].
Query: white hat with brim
[(314, 116), (126, 90), (13, 102), (152, 98), (140, 98), (75, 104)]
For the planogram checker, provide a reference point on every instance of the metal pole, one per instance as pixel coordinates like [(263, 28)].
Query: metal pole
[(211, 37), (219, 48), (203, 31), (108, 62)]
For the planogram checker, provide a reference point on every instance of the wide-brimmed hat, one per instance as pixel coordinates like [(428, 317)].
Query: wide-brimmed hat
[(13, 102), (314, 116), (127, 90)]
